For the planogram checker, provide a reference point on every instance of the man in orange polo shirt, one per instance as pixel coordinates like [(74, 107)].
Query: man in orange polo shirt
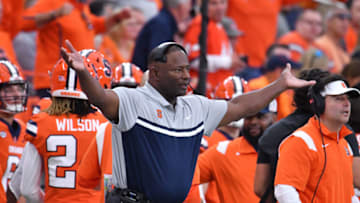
[(224, 163), (308, 27), (56, 21), (308, 167), (231, 87)]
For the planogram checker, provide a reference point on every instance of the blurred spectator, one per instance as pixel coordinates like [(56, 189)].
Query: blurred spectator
[(25, 48), (282, 25), (149, 8), (352, 74), (222, 61), (258, 20), (224, 163), (172, 19), (337, 21), (315, 58), (118, 44), (56, 21), (10, 17), (353, 32), (231, 30), (276, 63), (308, 27)]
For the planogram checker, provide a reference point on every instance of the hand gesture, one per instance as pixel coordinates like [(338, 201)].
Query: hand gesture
[(291, 81), (73, 58)]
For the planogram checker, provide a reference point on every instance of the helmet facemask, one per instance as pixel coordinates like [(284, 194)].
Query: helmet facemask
[(13, 96)]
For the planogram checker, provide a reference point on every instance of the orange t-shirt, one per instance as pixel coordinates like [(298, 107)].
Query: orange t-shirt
[(2, 191), (11, 16), (61, 142), (224, 164), (79, 27), (337, 56), (93, 172), (218, 44), (111, 52), (301, 161), (194, 193), (284, 100), (351, 39), (7, 51), (258, 20), (11, 149), (297, 44), (217, 136)]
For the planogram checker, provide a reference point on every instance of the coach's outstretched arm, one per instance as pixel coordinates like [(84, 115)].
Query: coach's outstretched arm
[(106, 100), (252, 102)]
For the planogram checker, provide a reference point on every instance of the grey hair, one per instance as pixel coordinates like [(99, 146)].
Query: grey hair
[(173, 3), (333, 9)]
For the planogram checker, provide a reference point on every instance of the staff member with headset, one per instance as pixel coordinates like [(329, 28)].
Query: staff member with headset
[(315, 162)]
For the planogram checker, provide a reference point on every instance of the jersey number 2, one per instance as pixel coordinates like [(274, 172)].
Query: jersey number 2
[(63, 161)]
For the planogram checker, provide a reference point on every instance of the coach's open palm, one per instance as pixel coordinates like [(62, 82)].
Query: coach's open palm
[(291, 81), (73, 58)]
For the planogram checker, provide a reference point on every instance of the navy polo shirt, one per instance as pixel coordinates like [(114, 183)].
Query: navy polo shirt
[(155, 144)]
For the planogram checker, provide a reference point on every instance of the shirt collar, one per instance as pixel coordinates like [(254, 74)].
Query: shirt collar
[(155, 95), (344, 131), (13, 129)]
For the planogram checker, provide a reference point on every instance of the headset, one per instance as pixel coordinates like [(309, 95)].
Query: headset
[(317, 103), (159, 53)]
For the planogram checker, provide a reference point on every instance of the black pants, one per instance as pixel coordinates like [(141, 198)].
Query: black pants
[(125, 196)]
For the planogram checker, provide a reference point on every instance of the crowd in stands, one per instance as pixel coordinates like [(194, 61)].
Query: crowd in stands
[(249, 45)]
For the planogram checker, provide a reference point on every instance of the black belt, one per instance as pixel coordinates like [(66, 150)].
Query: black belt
[(118, 195)]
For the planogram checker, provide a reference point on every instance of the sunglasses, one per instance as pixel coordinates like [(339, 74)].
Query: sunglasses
[(343, 16)]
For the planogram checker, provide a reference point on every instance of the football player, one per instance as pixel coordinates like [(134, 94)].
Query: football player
[(60, 135), (13, 98)]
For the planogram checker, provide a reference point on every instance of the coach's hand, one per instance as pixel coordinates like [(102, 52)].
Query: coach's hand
[(73, 58), (290, 81)]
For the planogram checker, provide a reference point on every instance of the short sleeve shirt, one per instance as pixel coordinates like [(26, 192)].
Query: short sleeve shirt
[(154, 141)]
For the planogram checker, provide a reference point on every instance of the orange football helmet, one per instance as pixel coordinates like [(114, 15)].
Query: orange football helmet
[(127, 74), (231, 87), (13, 88), (101, 66), (64, 80)]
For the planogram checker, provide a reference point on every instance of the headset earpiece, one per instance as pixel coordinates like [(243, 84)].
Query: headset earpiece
[(316, 101)]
